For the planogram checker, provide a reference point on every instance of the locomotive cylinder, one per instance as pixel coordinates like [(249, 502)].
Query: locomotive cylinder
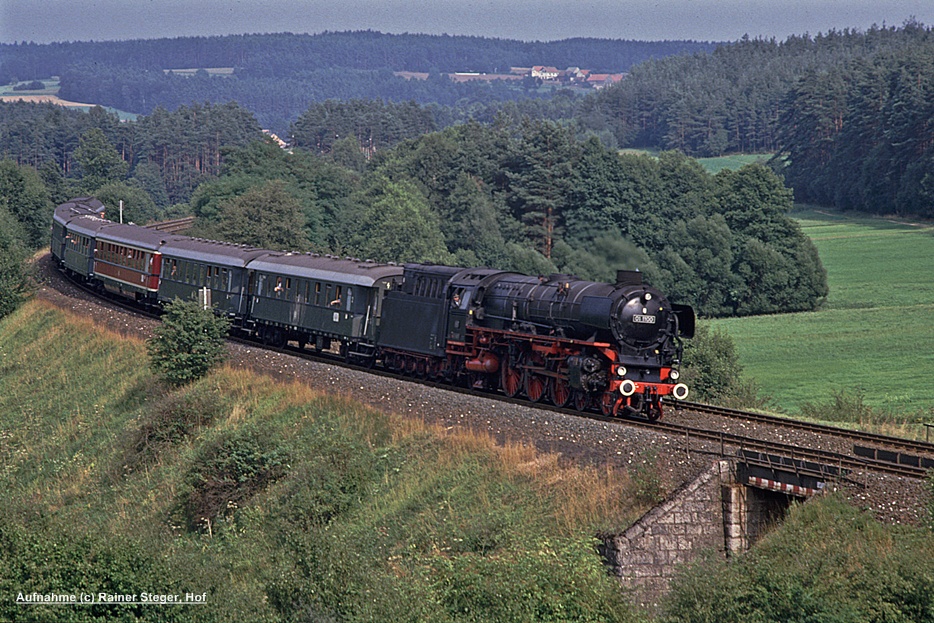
[(486, 363)]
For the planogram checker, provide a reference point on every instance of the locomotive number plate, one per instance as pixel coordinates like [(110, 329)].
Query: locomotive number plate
[(641, 319)]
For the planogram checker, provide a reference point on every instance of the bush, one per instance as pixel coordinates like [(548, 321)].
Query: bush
[(12, 254), (828, 562), (188, 343), (170, 420), (228, 473), (41, 553)]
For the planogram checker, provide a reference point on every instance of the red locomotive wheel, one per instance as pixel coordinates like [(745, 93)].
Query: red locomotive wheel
[(608, 403), (534, 386), (581, 400), (560, 392), (511, 380)]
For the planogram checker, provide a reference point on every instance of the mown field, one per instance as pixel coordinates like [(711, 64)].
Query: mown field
[(49, 95), (873, 336)]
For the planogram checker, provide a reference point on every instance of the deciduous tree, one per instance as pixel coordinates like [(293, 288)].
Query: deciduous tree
[(188, 343)]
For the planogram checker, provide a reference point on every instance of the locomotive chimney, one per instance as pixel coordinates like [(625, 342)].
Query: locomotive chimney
[(628, 278)]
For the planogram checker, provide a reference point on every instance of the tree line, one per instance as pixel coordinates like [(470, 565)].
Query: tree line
[(848, 114), (156, 161), (279, 76), (861, 136), (530, 198), (286, 54)]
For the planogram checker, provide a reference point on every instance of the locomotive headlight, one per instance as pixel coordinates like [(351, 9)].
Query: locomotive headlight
[(674, 375), (648, 296), (627, 388), (621, 371)]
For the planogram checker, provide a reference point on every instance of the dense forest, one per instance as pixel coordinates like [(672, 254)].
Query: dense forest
[(848, 114), (534, 184), (525, 195)]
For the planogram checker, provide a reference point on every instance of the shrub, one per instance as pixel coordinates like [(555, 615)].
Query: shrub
[(170, 420), (12, 254), (828, 562), (713, 372), (41, 553), (188, 343), (228, 473)]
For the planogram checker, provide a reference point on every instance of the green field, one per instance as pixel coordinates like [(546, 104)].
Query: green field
[(735, 161), (875, 332), (49, 94)]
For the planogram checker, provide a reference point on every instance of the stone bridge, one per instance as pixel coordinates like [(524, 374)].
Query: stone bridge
[(722, 512)]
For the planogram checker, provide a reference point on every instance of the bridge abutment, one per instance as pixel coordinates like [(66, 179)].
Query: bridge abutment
[(715, 514)]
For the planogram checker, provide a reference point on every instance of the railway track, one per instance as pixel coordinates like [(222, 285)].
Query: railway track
[(886, 441), (731, 443), (725, 443)]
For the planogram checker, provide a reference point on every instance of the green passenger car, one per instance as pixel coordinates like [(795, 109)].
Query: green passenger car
[(312, 298), (74, 230), (193, 265)]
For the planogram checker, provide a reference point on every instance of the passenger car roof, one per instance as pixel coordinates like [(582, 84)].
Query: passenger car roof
[(80, 206), (133, 236), (210, 251), (325, 268)]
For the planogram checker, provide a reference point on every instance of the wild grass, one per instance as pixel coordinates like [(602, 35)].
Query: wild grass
[(874, 333), (281, 502)]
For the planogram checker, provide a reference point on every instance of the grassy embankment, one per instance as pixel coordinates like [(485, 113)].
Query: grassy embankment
[(280, 503), (874, 336)]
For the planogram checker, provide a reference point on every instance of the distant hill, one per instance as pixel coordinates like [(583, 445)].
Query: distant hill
[(279, 76), (283, 55)]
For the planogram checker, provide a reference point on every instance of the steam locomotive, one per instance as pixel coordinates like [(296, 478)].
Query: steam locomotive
[(615, 347)]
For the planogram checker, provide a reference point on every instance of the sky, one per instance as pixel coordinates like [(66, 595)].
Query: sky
[(44, 21)]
